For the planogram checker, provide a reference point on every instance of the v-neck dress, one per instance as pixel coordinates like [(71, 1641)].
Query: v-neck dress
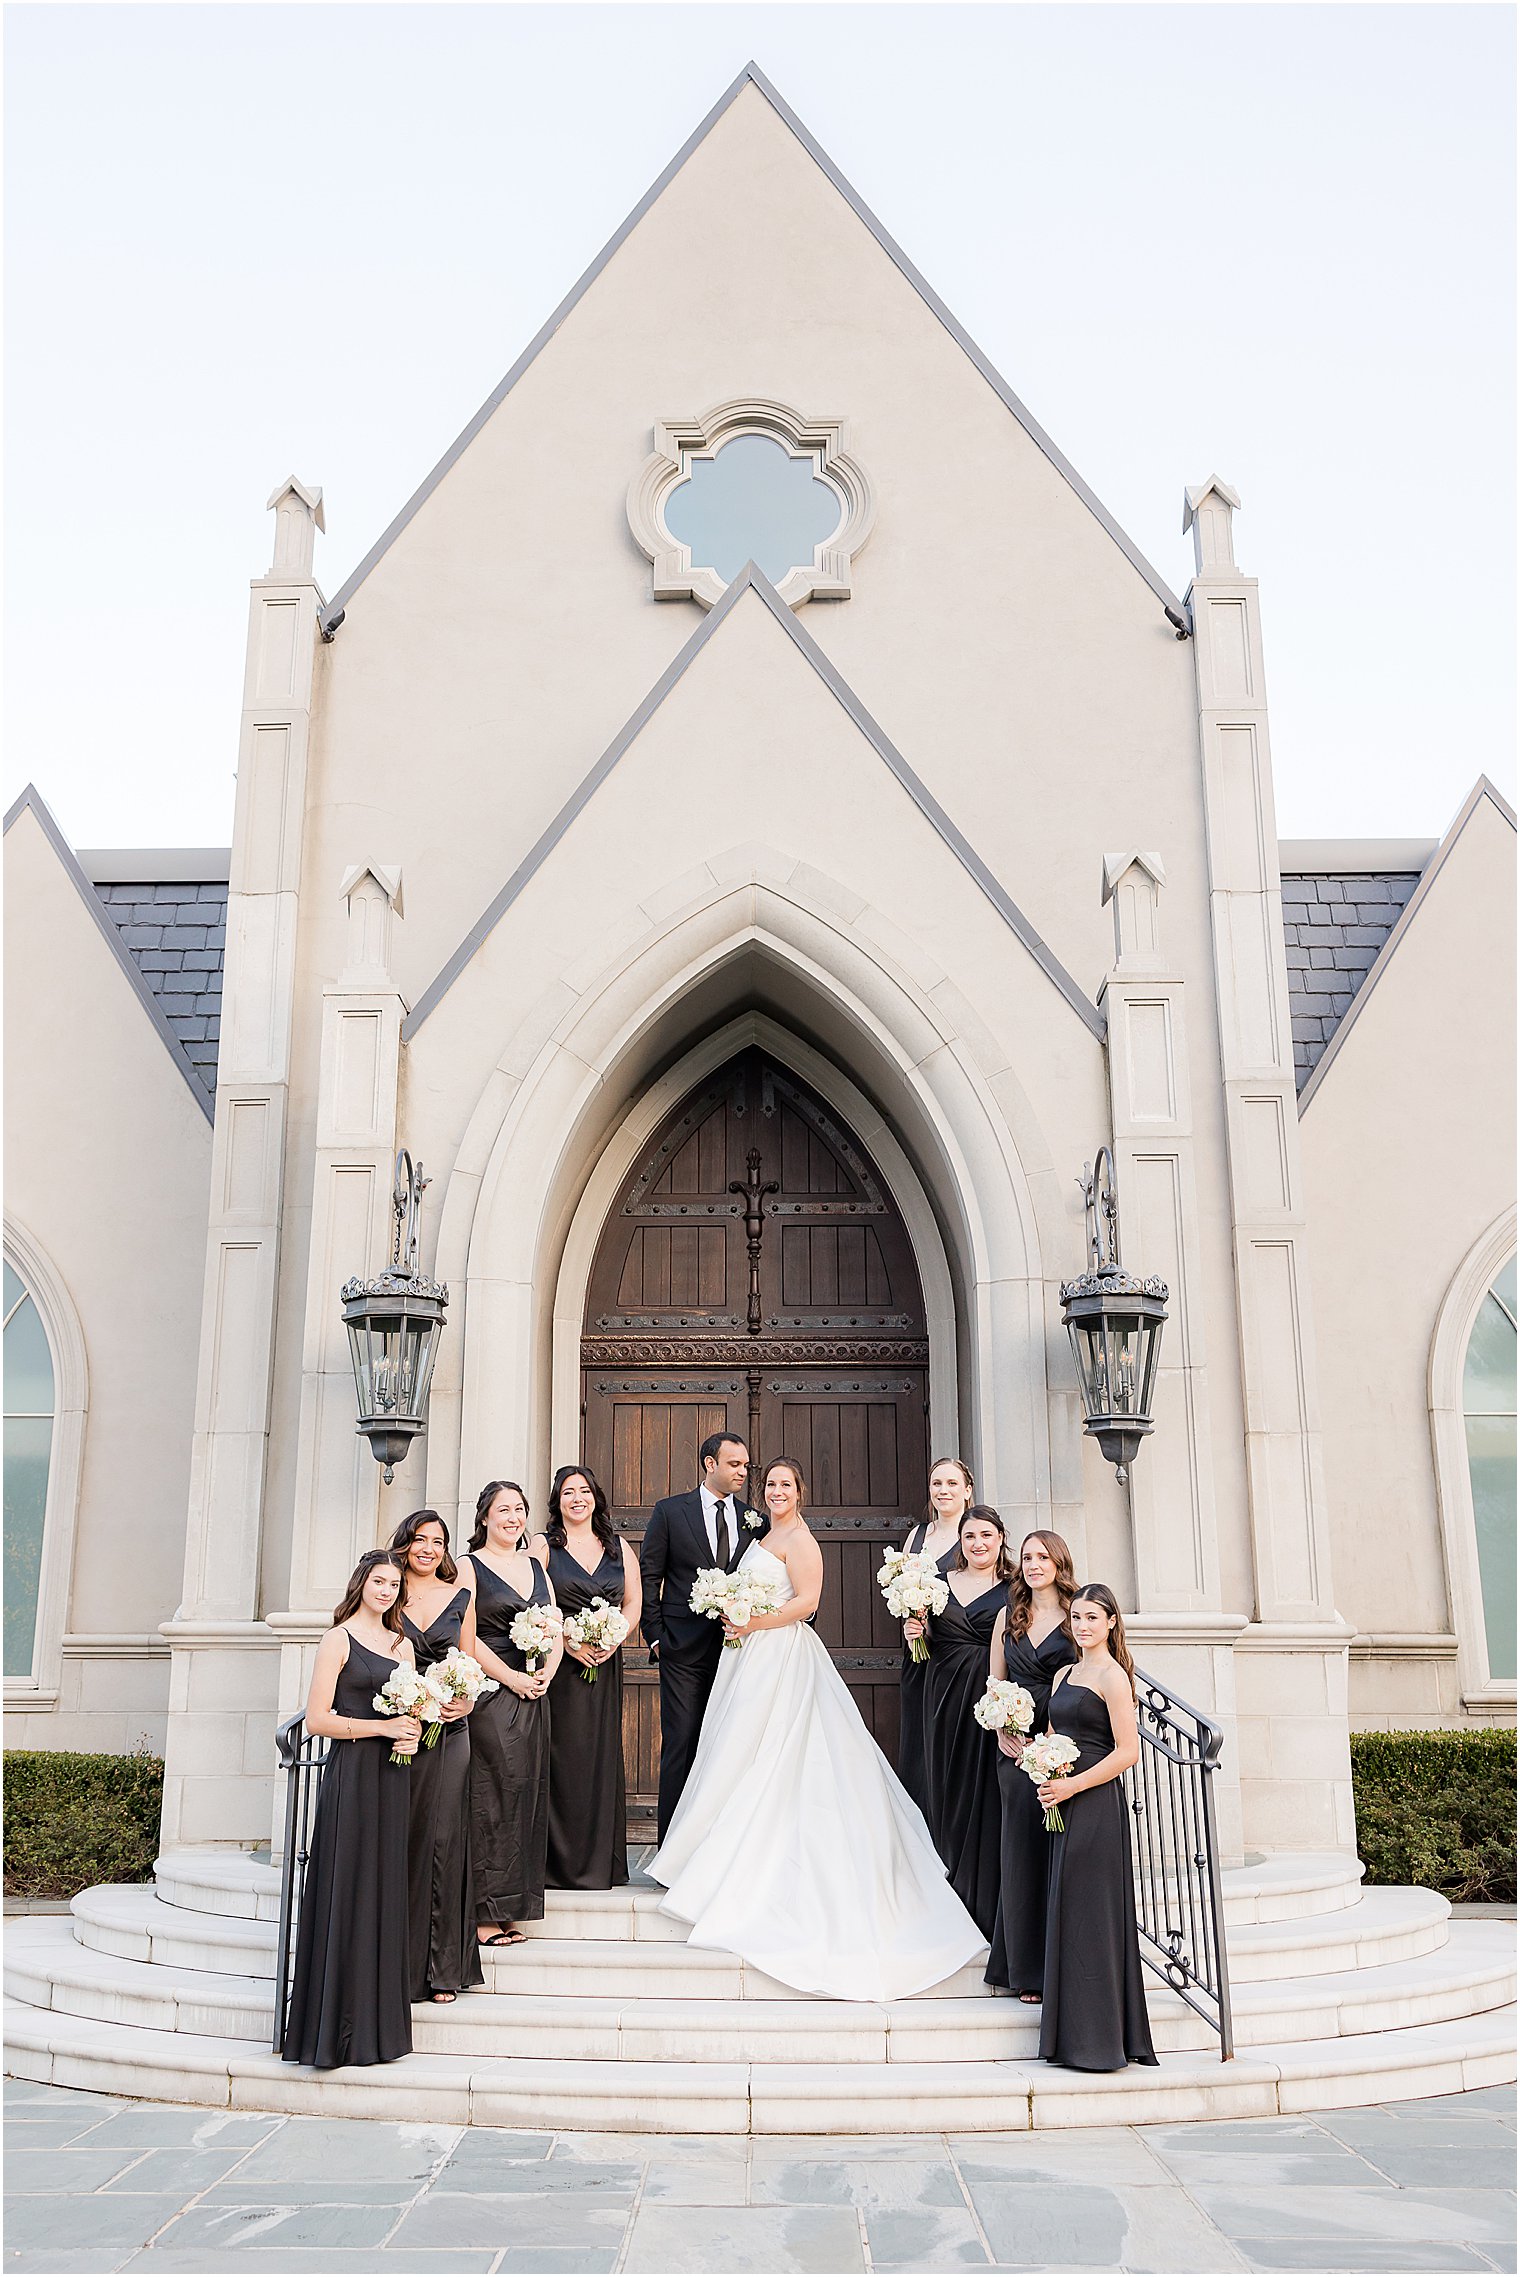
[(349, 2003), (445, 1956), (588, 1811), (960, 1759), (1017, 1960), (509, 1766), (1094, 2017)]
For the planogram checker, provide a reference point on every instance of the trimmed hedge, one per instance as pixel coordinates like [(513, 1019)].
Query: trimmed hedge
[(1437, 1808), (73, 1820)]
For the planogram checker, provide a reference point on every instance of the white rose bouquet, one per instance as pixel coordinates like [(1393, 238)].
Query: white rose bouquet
[(456, 1677), (405, 1693), (913, 1587), (1050, 1756), (601, 1626), (1004, 1707), (534, 1631), (733, 1597)]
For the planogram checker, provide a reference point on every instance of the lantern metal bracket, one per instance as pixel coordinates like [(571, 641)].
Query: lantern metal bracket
[(406, 1202), (1100, 1199)]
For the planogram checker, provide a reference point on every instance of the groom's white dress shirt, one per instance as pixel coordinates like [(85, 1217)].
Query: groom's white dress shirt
[(711, 1504)]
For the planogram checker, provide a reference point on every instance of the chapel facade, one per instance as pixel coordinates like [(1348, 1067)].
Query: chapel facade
[(755, 781)]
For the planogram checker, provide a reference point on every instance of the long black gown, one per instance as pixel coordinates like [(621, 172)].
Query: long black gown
[(1017, 1960), (445, 1956), (1094, 2015), (911, 1769), (960, 1759), (588, 1812), (509, 1766), (350, 2002)]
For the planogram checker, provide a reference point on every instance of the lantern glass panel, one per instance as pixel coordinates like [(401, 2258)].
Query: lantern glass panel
[(1123, 1365), (1151, 1332)]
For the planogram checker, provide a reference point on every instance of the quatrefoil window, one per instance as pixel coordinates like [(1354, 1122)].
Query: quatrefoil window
[(750, 480)]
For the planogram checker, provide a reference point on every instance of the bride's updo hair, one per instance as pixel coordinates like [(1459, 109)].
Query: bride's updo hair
[(785, 1463)]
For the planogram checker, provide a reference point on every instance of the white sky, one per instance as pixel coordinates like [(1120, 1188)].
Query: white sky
[(1274, 242)]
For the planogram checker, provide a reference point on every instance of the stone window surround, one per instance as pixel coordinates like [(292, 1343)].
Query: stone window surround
[(1448, 1431), (71, 1393), (678, 441)]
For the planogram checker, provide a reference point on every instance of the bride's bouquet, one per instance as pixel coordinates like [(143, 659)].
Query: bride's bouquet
[(601, 1626), (1050, 1756), (406, 1693), (534, 1631), (733, 1597), (1004, 1707), (914, 1588), (456, 1677)]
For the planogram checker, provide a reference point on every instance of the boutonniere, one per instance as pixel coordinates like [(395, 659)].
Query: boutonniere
[(753, 1521)]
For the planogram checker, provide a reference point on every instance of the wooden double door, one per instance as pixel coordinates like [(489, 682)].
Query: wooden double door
[(755, 1276)]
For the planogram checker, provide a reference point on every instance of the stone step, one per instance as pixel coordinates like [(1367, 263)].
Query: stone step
[(134, 1923), (1290, 1885), (1474, 1971), (763, 2098)]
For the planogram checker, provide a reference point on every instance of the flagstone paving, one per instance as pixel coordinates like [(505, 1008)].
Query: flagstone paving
[(96, 2184)]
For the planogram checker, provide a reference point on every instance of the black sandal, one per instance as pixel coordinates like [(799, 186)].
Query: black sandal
[(502, 1937)]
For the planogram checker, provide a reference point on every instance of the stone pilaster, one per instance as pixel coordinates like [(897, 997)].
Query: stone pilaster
[(223, 1675), (1291, 1661)]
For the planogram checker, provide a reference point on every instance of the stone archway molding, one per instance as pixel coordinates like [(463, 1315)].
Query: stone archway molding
[(71, 1400), (1448, 1434), (752, 922)]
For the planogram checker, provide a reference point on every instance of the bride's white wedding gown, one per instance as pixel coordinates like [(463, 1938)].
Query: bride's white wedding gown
[(794, 1845)]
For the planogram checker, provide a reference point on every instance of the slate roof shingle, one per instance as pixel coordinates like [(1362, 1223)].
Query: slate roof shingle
[(1334, 926), (177, 936)]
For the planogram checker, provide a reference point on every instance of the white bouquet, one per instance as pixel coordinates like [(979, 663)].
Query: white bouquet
[(733, 1597), (1004, 1707), (1050, 1756), (407, 1694), (601, 1626), (456, 1677), (534, 1631), (913, 1587)]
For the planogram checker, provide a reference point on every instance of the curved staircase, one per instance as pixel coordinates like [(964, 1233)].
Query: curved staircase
[(606, 2019)]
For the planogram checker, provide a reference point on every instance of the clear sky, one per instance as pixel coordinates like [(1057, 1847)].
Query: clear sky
[(1273, 242)]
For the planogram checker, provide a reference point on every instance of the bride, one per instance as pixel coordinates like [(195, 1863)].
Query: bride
[(793, 1844)]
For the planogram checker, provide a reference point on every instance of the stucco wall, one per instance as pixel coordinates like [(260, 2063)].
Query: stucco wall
[(1409, 1156), (107, 1159)]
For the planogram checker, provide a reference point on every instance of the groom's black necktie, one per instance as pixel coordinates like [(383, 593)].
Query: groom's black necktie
[(725, 1539)]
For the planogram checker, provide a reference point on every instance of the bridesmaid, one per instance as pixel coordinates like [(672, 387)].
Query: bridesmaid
[(962, 1804), (1031, 1641), (585, 1557), (1094, 2017), (509, 1759), (349, 2000), (951, 1488), (440, 1614)]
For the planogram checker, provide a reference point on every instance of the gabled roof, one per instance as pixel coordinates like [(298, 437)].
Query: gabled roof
[(1481, 790), (752, 76), (31, 800), (752, 580)]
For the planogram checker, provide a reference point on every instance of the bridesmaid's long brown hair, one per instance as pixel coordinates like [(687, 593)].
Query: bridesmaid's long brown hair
[(353, 1596), (1021, 1596), (1099, 1593)]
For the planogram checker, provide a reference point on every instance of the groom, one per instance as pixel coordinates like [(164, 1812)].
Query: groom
[(685, 1532)]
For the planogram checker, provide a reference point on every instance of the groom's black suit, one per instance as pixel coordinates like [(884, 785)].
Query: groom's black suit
[(674, 1547)]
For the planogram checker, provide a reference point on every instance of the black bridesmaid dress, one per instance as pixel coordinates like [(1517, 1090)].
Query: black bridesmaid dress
[(1017, 1961), (588, 1813), (1094, 2015), (445, 1957), (911, 1768), (509, 1766), (350, 2002), (962, 1805)]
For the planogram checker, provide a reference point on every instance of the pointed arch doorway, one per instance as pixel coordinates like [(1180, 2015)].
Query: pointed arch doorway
[(791, 1312)]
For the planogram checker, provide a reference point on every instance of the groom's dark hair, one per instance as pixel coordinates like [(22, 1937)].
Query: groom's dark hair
[(713, 1446)]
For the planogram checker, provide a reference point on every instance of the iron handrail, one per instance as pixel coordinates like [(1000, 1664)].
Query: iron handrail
[(1179, 1893), (302, 1756)]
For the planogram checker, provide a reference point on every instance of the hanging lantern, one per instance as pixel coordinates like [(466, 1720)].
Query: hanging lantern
[(1114, 1322), (394, 1322)]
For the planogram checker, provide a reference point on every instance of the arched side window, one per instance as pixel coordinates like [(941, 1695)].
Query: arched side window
[(1473, 1430), (46, 1402), (1488, 1407), (29, 1406)]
